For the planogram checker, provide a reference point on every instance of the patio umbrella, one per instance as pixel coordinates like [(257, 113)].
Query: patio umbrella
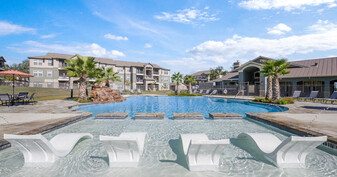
[(14, 73)]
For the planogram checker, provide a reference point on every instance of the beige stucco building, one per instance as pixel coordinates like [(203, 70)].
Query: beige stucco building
[(48, 72)]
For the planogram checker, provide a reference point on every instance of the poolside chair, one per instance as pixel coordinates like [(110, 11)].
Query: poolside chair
[(132, 92), (5, 99), (139, 91), (39, 152), (195, 91), (202, 154), (121, 91), (28, 100), (297, 94), (124, 150), (290, 153), (200, 92), (332, 98), (313, 95), (207, 92), (214, 92)]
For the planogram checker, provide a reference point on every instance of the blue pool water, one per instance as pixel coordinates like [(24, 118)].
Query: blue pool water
[(170, 104)]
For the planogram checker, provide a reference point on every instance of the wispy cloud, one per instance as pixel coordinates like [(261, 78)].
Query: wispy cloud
[(7, 28), (147, 45), (284, 4), (48, 36), (188, 16), (117, 38), (83, 49), (279, 29)]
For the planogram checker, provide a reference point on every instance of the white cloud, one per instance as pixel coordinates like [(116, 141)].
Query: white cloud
[(279, 29), (147, 45), (188, 65), (188, 16), (284, 4), (48, 36), (8, 28), (117, 38), (321, 36), (82, 49)]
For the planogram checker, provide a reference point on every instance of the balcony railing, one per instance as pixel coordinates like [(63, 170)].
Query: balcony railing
[(140, 80)]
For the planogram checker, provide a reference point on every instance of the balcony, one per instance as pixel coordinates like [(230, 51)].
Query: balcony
[(63, 78), (140, 80), (155, 73), (139, 72), (62, 64)]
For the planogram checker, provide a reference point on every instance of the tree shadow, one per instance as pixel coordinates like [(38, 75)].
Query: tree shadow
[(177, 148), (251, 148)]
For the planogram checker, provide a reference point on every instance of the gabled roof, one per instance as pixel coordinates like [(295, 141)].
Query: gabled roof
[(98, 59), (323, 67), (201, 72), (2, 59), (228, 76)]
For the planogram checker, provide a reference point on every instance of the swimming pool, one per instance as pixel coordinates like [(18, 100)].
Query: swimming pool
[(161, 155), (171, 104)]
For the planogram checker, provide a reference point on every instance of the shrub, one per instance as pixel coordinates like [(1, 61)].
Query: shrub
[(286, 100), (183, 94)]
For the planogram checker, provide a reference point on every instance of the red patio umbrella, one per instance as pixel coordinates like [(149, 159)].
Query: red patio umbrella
[(14, 73)]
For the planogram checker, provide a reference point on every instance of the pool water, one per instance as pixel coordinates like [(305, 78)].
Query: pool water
[(171, 104), (163, 152)]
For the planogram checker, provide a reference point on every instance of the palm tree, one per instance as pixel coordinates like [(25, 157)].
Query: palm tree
[(84, 68), (279, 68), (189, 79), (267, 69), (106, 75), (177, 77)]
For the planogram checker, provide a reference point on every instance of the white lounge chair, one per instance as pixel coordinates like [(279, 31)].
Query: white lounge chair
[(214, 92), (124, 150), (201, 153), (200, 92), (139, 91), (39, 152), (290, 153), (296, 94), (207, 92)]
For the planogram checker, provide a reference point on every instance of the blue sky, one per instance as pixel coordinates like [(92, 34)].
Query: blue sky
[(185, 36)]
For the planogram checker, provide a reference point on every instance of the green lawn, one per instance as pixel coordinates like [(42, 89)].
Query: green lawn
[(40, 93)]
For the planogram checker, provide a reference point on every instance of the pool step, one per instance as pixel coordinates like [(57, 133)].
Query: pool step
[(115, 115), (149, 115), (225, 116), (183, 116)]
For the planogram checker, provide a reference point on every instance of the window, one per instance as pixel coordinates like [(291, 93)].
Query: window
[(165, 72), (40, 85), (101, 65), (49, 74), (120, 69), (128, 69), (108, 66), (49, 84), (50, 63), (35, 73), (38, 62), (40, 74)]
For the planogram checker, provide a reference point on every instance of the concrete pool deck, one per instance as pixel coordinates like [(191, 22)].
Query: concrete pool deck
[(39, 118)]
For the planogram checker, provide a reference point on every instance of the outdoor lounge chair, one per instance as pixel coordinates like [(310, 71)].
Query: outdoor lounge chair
[(5, 99), (139, 91), (201, 153), (132, 92), (124, 150), (214, 92), (297, 94), (28, 100), (207, 92), (195, 91), (332, 98), (313, 95), (200, 92), (290, 153), (39, 152), (121, 91)]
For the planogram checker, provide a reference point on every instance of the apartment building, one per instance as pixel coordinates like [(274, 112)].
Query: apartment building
[(48, 72), (202, 76)]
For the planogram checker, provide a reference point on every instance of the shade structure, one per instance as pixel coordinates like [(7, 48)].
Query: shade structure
[(14, 73)]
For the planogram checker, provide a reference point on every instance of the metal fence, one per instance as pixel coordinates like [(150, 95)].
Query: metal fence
[(16, 83), (242, 89)]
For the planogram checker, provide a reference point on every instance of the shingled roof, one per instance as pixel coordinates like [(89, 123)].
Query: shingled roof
[(228, 76), (97, 59), (201, 72)]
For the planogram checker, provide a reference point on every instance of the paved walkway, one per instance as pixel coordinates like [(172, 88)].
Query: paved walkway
[(38, 118)]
